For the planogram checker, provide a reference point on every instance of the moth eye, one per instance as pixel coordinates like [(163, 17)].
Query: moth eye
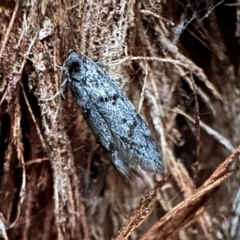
[(74, 68)]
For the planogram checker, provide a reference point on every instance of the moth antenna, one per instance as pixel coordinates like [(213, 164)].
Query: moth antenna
[(59, 92)]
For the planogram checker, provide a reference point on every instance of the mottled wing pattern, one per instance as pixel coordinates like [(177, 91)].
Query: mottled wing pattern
[(111, 116)]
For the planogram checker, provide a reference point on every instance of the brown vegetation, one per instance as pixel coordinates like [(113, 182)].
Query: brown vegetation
[(178, 62)]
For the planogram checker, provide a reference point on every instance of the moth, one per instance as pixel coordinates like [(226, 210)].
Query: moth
[(111, 116)]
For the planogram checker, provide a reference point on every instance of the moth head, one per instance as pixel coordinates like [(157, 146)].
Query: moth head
[(75, 66)]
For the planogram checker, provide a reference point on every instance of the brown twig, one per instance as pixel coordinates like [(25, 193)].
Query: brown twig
[(176, 218), (141, 213), (197, 127)]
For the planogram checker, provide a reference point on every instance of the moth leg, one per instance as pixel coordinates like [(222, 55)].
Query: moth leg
[(119, 164)]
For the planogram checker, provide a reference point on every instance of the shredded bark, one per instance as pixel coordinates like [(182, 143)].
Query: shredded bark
[(178, 62)]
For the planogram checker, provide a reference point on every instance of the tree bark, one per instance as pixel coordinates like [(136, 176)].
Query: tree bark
[(177, 61)]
